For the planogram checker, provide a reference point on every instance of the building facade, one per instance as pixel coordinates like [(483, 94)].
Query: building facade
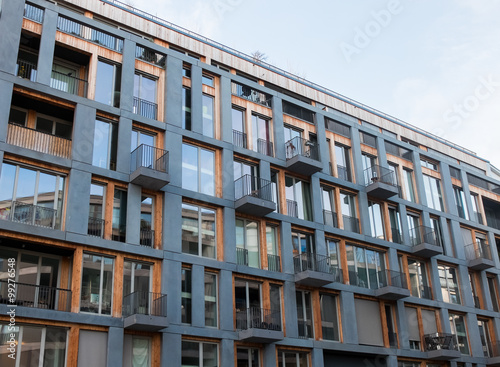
[(168, 201)]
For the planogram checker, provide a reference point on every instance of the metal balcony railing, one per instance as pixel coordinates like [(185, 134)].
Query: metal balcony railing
[(119, 233), (37, 296), (396, 236), (34, 215), (273, 263), (351, 224), (147, 237), (392, 278), (438, 341), (305, 329), (239, 139), (265, 147), (149, 157), (422, 234), (248, 185), (477, 251), (26, 70), (320, 263), (292, 208), (241, 256), (343, 173), (330, 218), (378, 173), (145, 303), (303, 147), (257, 318), (251, 94), (145, 54), (145, 108), (33, 13), (68, 83), (96, 227)]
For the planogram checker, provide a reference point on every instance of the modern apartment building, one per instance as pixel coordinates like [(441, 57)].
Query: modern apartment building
[(168, 201)]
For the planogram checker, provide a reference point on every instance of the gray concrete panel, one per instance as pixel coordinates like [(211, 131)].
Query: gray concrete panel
[(133, 214), (77, 203), (225, 300), (286, 248), (316, 200), (128, 71), (172, 224), (83, 134), (171, 347), (447, 187), (115, 347), (47, 46), (198, 296), (227, 174), (278, 129), (123, 146), (11, 21), (173, 143), (227, 352), (348, 316), (171, 286), (324, 154), (196, 100), (173, 93), (5, 102), (229, 235), (290, 309), (226, 110)]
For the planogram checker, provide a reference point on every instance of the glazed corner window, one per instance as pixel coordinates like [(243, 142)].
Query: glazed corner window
[(376, 221), (449, 284), (105, 144), (31, 196), (108, 83), (186, 108), (97, 284), (433, 192), (198, 231), (199, 354), (208, 115), (145, 96), (198, 169), (211, 299), (457, 325)]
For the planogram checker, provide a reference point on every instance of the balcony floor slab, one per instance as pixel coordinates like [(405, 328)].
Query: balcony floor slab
[(145, 322), (149, 178)]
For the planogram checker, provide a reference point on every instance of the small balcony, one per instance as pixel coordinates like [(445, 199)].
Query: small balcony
[(392, 285), (424, 242), (302, 156), (145, 108), (479, 256), (69, 83), (239, 139), (145, 311), (441, 346), (26, 69), (315, 270), (258, 325), (253, 195), (34, 215), (273, 263), (330, 218), (36, 296), (247, 258), (251, 94), (38, 141), (380, 182), (351, 224), (149, 167), (265, 147), (96, 227)]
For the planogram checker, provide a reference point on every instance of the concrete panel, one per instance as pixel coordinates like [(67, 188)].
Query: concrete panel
[(133, 214), (123, 146), (127, 82), (198, 296), (10, 29), (196, 100), (83, 134), (47, 46), (115, 347), (278, 128), (172, 224), (173, 92), (5, 102), (226, 110), (78, 199)]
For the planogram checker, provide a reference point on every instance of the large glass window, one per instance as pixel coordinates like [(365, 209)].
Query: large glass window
[(492, 289), (208, 115), (147, 233), (348, 209), (376, 219), (137, 279), (395, 221), (136, 351), (293, 359), (457, 325), (304, 314), (105, 144), (484, 335), (329, 325), (459, 196), (408, 185), (198, 169), (247, 357), (238, 122), (186, 296), (145, 96), (366, 267), (119, 221), (449, 284), (198, 231), (211, 299), (418, 279), (97, 284), (343, 159), (433, 192), (247, 243), (328, 201), (199, 354), (298, 197), (261, 135), (108, 83)]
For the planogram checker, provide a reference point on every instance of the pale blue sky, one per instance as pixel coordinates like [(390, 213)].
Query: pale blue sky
[(434, 64)]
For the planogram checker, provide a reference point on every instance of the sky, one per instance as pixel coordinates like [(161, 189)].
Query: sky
[(433, 64)]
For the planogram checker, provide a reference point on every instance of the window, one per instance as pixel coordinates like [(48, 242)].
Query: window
[(366, 267), (484, 335), (304, 314), (96, 212), (474, 289), (31, 196), (199, 354), (368, 139), (53, 126), (186, 296), (328, 201), (408, 185), (369, 323), (97, 284), (376, 220), (145, 96), (207, 80), (418, 279), (247, 357), (427, 163), (261, 135), (141, 137), (414, 227), (492, 289), (208, 115), (108, 83), (291, 133), (438, 233), (433, 192), (105, 144), (273, 258), (275, 190), (478, 217), (348, 210), (449, 284), (457, 325), (368, 162), (459, 196), (136, 351), (298, 198), (342, 156), (329, 325), (35, 346), (298, 112), (302, 243), (337, 127), (119, 221), (332, 247), (198, 231), (136, 279), (186, 108), (198, 169), (210, 299), (395, 221), (247, 243), (241, 169), (238, 121), (147, 233)]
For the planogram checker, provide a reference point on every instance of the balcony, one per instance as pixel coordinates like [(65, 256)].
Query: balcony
[(145, 311), (37, 296), (38, 141), (145, 108), (315, 270), (392, 285), (330, 218), (147, 237), (258, 325), (239, 139), (265, 147), (247, 258), (251, 94), (273, 263), (424, 242), (26, 69), (351, 224), (149, 167), (33, 13), (302, 156), (253, 195), (478, 256), (441, 346), (96, 227), (380, 182), (69, 83), (34, 215)]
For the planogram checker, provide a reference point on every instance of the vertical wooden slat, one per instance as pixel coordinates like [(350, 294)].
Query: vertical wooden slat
[(118, 286), (76, 279)]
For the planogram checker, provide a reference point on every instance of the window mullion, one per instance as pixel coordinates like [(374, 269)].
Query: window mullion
[(100, 284), (20, 346), (42, 347)]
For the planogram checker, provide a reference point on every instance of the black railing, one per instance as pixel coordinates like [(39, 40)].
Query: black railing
[(315, 262), (145, 303), (265, 147), (34, 215), (396, 236), (437, 341), (330, 218), (145, 108), (68, 83), (147, 237), (241, 256), (392, 278), (303, 147), (477, 251), (248, 185), (422, 234), (145, 54), (149, 157), (239, 139), (37, 296), (26, 70), (96, 227), (378, 173), (273, 263), (305, 329), (351, 223), (477, 304), (343, 173), (258, 318), (292, 208), (33, 13), (251, 94)]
